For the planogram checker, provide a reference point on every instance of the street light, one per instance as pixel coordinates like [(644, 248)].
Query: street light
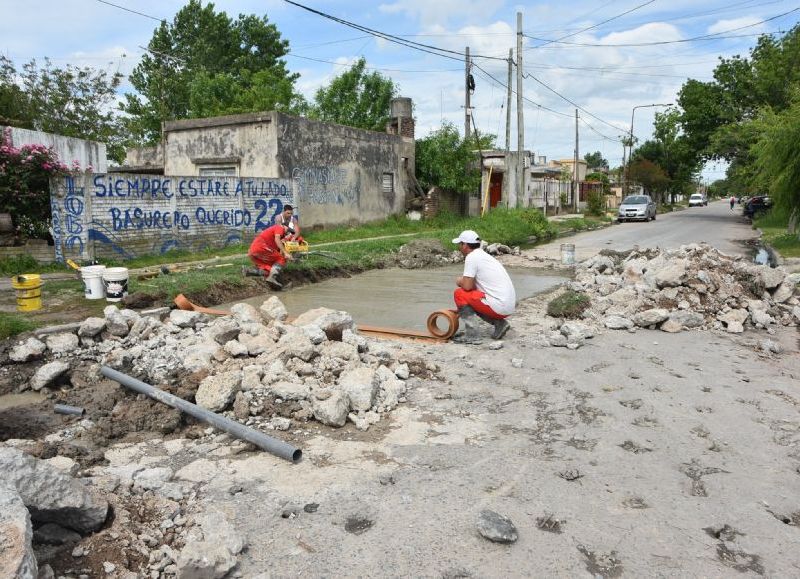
[(630, 143)]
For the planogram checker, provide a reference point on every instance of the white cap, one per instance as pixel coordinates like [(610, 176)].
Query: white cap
[(467, 236)]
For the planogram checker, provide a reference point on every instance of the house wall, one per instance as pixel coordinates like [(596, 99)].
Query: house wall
[(124, 215), (338, 171), (68, 149), (248, 142)]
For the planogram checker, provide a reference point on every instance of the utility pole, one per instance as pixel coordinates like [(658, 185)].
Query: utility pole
[(520, 120), (508, 103), (467, 89), (576, 189)]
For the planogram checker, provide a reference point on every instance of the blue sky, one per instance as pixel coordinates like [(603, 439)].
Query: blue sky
[(607, 82)]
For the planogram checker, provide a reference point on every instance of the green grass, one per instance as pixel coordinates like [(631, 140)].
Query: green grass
[(10, 266), (773, 225), (13, 324), (570, 304)]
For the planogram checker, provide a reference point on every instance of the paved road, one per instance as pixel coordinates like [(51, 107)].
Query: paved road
[(716, 224)]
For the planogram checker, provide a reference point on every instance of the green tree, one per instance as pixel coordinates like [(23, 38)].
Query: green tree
[(595, 160), (651, 176), (206, 63), (71, 101), (443, 159), (602, 178), (356, 99)]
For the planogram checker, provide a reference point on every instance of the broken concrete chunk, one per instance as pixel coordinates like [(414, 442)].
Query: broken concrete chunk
[(617, 323), (770, 277), (31, 349), (199, 356), (273, 310), (90, 327), (296, 344), (48, 374), (222, 330), (361, 386), (332, 322), (116, 323), (216, 393), (50, 495), (333, 409), (185, 318), (16, 549), (687, 319), (236, 348), (784, 292), (62, 343), (315, 334), (650, 317), (289, 390), (244, 313)]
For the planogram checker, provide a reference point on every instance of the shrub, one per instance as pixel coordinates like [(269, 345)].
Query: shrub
[(570, 304), (13, 324), (596, 203)]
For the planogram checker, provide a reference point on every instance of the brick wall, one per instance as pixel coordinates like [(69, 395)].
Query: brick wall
[(124, 216)]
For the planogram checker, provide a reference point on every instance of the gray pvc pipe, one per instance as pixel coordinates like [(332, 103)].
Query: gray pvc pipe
[(261, 440), (66, 409)]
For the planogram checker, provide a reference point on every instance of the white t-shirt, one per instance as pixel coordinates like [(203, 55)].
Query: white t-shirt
[(493, 280)]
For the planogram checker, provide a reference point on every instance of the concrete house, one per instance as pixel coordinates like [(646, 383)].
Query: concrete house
[(340, 174)]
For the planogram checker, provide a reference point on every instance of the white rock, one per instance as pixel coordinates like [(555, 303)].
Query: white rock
[(361, 386), (332, 322), (17, 558), (273, 309), (153, 478), (350, 337), (784, 292), (770, 277), (281, 423), (62, 343), (402, 371), (236, 348), (332, 410), (185, 318), (315, 334), (244, 313), (221, 330), (216, 392), (762, 318), (28, 350), (687, 319), (289, 390), (50, 495), (90, 327), (116, 322), (737, 316), (109, 567), (296, 344), (770, 346), (213, 555), (48, 374), (340, 350), (617, 323), (574, 330), (734, 327), (199, 356), (650, 317), (257, 344), (671, 275)]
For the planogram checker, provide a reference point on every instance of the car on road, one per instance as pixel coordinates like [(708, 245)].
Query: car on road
[(755, 205), (698, 200), (637, 208)]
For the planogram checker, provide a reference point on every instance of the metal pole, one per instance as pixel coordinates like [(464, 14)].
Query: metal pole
[(467, 110), (508, 103), (520, 120), (576, 189), (261, 440)]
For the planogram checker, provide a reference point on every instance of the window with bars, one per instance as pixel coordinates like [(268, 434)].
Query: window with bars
[(388, 182), (217, 171)]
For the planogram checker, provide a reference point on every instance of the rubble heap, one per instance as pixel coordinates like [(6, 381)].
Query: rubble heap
[(254, 365), (694, 286)]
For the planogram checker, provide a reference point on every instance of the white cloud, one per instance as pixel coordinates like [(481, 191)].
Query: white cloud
[(432, 12), (736, 23)]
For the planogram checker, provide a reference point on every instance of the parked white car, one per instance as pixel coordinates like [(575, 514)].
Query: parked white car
[(698, 200)]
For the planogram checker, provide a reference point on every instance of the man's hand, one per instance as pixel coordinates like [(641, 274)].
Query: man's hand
[(466, 283)]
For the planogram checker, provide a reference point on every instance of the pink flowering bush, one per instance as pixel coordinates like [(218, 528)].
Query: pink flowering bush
[(25, 174)]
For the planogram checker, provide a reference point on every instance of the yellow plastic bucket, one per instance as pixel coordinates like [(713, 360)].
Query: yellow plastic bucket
[(29, 291)]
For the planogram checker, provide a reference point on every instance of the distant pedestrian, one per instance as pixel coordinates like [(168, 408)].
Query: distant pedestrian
[(733, 202)]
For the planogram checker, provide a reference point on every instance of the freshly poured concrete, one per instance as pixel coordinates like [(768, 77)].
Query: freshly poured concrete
[(398, 298)]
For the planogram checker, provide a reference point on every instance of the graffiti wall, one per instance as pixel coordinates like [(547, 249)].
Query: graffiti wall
[(124, 216)]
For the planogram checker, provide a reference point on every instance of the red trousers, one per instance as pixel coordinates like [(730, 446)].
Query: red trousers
[(473, 298), (265, 258)]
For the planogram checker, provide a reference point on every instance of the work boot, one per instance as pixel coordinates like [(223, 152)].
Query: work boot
[(500, 329), (468, 319), (251, 271), (272, 278), (500, 326)]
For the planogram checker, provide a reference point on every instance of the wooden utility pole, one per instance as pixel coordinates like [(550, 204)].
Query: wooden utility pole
[(520, 119), (467, 110), (577, 186)]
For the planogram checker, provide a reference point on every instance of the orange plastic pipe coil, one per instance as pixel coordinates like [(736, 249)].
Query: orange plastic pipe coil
[(183, 303), (452, 324)]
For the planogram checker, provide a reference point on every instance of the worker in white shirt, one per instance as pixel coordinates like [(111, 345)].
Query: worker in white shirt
[(484, 290)]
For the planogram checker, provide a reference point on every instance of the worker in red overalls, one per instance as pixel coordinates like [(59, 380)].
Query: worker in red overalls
[(269, 255)]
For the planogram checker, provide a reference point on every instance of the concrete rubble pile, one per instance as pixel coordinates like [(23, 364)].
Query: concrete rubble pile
[(316, 367), (694, 286)]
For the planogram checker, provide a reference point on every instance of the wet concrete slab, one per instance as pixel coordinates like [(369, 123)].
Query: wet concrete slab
[(399, 298)]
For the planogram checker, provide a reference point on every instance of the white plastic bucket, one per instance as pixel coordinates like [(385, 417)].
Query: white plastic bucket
[(93, 288), (568, 254), (115, 280)]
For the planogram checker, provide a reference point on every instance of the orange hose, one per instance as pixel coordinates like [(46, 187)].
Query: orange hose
[(451, 318)]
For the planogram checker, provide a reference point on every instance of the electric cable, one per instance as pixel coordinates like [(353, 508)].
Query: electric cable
[(132, 11)]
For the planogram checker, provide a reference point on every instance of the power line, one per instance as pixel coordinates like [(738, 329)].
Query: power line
[(606, 137), (526, 99), (370, 67), (620, 15), (429, 48), (131, 11), (712, 36)]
